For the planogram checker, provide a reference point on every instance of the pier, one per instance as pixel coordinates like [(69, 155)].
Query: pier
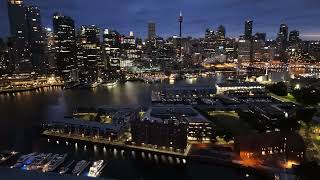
[(120, 145)]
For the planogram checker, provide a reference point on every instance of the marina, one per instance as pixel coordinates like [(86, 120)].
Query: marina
[(56, 163)]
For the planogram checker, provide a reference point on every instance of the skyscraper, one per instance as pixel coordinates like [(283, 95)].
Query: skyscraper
[(36, 39), (260, 36), (49, 49), (65, 44), (88, 53), (221, 32), (282, 42), (248, 29), (284, 31), (111, 43), (221, 36), (244, 51), (19, 40), (294, 37), (151, 30), (4, 58)]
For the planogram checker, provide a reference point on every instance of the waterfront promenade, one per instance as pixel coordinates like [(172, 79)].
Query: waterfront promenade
[(119, 144)]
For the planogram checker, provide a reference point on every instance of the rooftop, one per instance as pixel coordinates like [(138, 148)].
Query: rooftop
[(183, 112)]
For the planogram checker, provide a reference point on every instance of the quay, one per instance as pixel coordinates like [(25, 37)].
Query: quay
[(114, 144)]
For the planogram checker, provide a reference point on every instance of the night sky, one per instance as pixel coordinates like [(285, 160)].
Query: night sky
[(126, 15)]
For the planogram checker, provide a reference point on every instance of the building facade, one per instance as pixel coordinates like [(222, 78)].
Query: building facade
[(65, 46)]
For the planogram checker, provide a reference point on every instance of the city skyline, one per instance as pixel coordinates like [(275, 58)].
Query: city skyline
[(179, 89), (133, 16)]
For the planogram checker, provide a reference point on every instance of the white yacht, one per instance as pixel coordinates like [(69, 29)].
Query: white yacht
[(96, 168), (56, 161)]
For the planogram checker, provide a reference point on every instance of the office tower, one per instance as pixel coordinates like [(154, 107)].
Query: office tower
[(284, 31), (111, 43), (244, 51), (221, 32), (209, 43), (151, 31), (36, 39), (111, 38), (260, 36), (4, 58), (294, 37), (221, 37), (88, 53), (282, 41), (129, 51), (19, 41), (294, 49), (49, 49), (258, 45), (281, 47), (65, 45), (248, 29)]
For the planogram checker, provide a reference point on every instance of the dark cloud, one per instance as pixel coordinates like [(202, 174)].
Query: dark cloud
[(126, 15)]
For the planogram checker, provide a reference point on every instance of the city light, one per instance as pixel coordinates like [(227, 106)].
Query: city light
[(97, 89)]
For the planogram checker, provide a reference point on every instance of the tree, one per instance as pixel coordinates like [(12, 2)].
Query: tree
[(308, 170), (280, 89), (305, 114), (307, 95)]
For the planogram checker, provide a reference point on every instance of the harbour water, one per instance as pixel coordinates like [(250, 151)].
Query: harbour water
[(21, 114)]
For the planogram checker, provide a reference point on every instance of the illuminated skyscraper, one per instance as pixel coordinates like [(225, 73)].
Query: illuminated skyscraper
[(282, 42), (284, 31), (260, 36), (50, 49), (88, 53), (151, 30), (17, 20), (65, 44), (36, 39), (244, 51), (4, 58), (19, 42), (221, 32), (111, 43), (294, 37), (248, 29)]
